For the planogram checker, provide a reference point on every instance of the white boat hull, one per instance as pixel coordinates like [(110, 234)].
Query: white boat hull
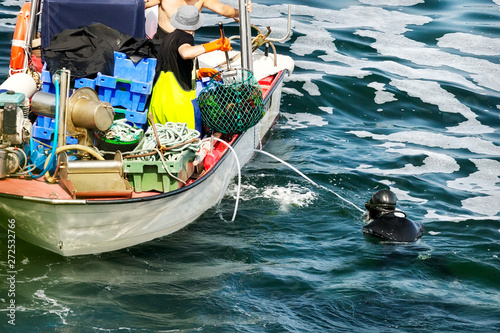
[(78, 227)]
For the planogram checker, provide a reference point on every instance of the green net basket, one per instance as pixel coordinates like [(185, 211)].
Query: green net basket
[(233, 104)]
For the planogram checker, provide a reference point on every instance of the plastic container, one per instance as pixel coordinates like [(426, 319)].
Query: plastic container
[(84, 82), (46, 78), (43, 130), (130, 95), (111, 145), (151, 176), (126, 69), (137, 117)]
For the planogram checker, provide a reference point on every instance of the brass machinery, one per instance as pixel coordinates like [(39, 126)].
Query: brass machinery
[(82, 114)]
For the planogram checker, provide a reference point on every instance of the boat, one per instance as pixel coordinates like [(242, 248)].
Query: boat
[(80, 221)]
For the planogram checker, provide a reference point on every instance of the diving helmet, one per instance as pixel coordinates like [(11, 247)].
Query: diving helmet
[(381, 202)]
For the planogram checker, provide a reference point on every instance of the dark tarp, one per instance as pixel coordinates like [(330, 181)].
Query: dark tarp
[(90, 49)]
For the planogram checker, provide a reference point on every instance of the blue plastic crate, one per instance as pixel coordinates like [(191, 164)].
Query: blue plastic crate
[(143, 71), (46, 78), (43, 130), (131, 95), (200, 84), (48, 85), (137, 117), (84, 82)]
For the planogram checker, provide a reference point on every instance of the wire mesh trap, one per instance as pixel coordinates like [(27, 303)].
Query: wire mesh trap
[(232, 102)]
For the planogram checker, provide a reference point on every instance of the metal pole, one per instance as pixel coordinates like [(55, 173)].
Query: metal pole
[(33, 23), (63, 98), (245, 33)]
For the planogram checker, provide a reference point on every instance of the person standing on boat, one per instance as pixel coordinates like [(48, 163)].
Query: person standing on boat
[(166, 8), (174, 96), (387, 223)]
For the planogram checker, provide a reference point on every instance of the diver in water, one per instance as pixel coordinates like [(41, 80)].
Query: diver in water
[(386, 222)]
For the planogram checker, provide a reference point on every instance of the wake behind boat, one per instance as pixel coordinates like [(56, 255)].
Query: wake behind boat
[(83, 167)]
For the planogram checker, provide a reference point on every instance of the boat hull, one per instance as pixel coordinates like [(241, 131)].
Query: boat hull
[(79, 227)]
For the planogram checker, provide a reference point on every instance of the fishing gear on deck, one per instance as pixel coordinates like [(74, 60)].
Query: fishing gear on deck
[(233, 104)]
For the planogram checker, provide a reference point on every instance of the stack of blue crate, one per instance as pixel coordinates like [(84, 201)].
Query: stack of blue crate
[(48, 85), (43, 127), (129, 87), (46, 78), (43, 130)]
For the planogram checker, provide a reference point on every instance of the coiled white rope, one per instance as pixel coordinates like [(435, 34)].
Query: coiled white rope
[(121, 130), (169, 134)]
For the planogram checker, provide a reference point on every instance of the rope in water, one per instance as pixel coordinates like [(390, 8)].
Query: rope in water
[(308, 179)]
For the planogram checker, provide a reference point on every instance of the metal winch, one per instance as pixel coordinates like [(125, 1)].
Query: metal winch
[(84, 113), (90, 179)]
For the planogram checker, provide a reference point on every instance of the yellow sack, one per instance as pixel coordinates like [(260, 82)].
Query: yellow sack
[(170, 102)]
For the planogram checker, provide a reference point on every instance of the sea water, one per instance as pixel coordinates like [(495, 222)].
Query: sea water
[(386, 94)]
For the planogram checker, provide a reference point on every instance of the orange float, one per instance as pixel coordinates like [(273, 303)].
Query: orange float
[(17, 54)]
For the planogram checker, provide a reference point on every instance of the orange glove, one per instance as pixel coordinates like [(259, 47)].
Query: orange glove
[(226, 46), (219, 44), (206, 72)]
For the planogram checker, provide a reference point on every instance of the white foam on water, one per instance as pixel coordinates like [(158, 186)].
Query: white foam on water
[(52, 306), (327, 109), (356, 16), (302, 120), (483, 72), (331, 69), (469, 43), (320, 40), (292, 91), (432, 93), (434, 233), (433, 163), (8, 24), (432, 215), (311, 88), (391, 2), (362, 68), (403, 195), (17, 4), (381, 96), (484, 181), (392, 144), (483, 204), (431, 139), (291, 195)]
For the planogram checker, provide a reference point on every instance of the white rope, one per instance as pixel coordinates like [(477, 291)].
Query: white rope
[(308, 179), (239, 174)]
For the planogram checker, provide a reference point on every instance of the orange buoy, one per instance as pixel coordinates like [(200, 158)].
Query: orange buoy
[(17, 54)]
